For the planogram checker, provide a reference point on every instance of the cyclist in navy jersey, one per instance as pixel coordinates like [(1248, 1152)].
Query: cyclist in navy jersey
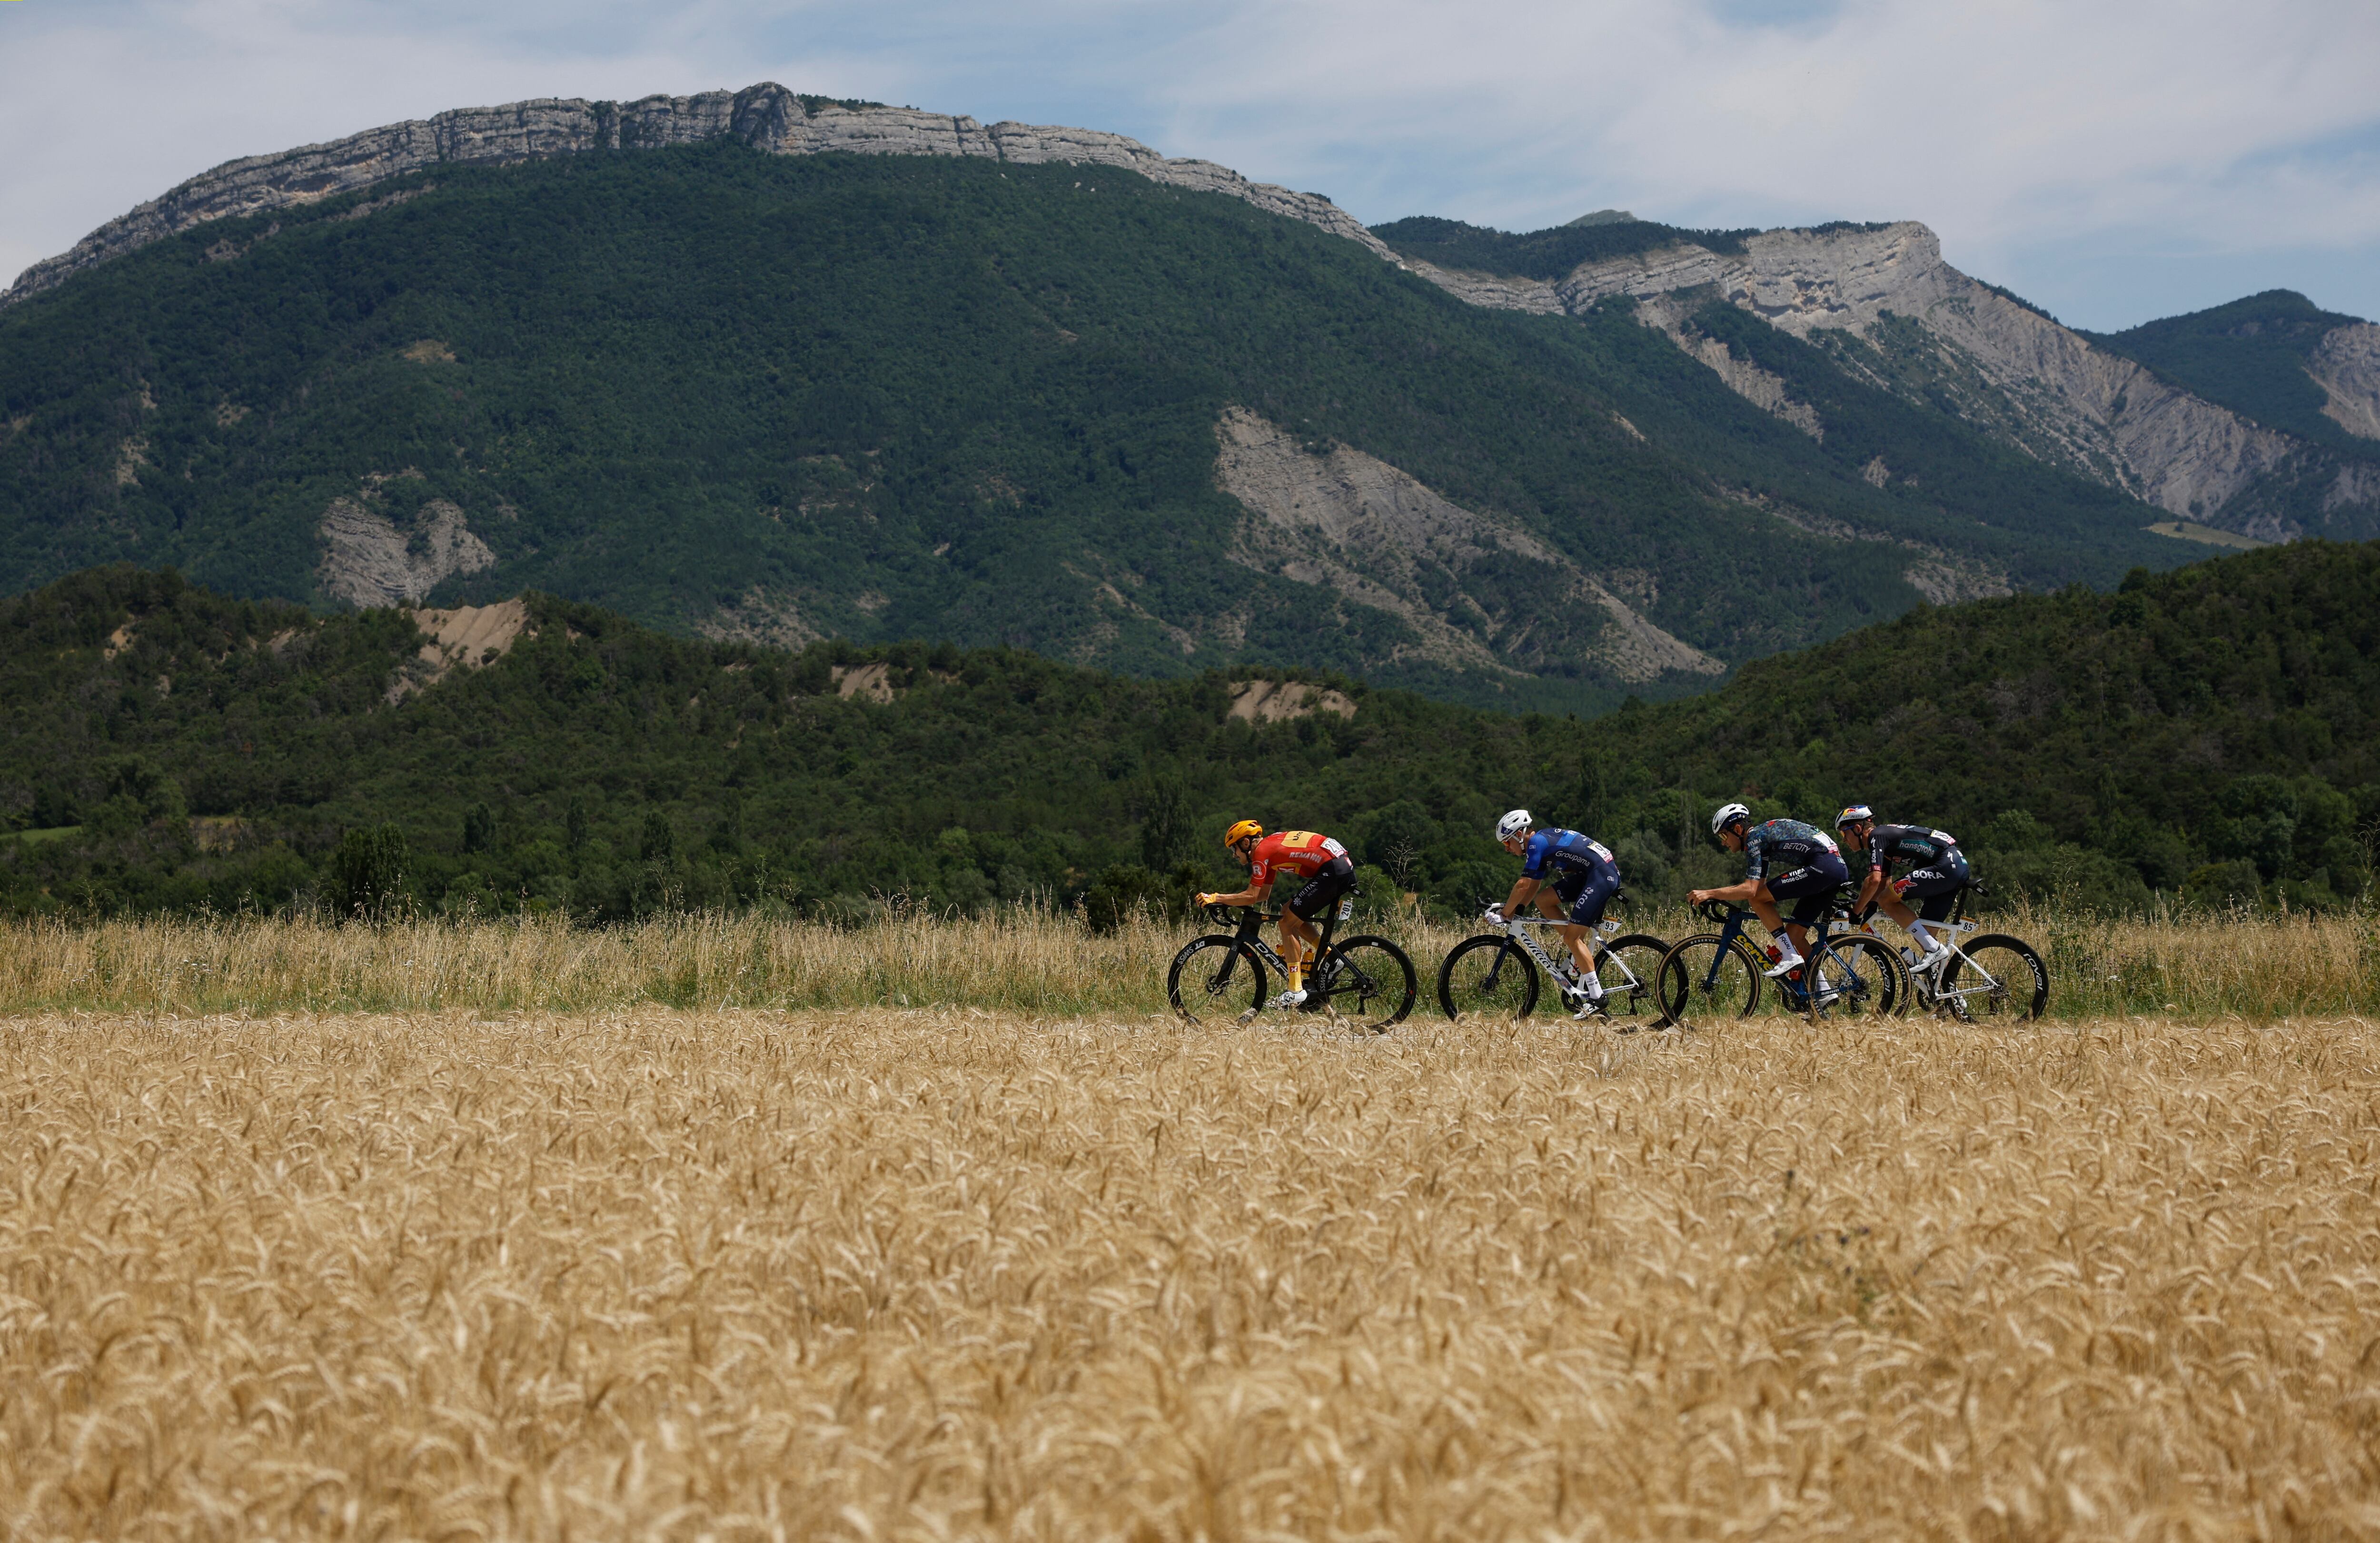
[(1938, 871), (1808, 870), (1568, 875)]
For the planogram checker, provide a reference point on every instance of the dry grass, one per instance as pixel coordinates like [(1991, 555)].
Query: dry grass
[(1024, 960), (923, 1275)]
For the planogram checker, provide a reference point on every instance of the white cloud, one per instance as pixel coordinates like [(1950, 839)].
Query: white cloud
[(2198, 135)]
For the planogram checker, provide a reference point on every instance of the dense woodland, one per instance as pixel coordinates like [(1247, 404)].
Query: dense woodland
[(891, 396), (2210, 735)]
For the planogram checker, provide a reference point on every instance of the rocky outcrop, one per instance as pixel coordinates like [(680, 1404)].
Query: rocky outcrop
[(2346, 364), (1334, 516), (766, 116), (1763, 388), (369, 560), (1275, 701)]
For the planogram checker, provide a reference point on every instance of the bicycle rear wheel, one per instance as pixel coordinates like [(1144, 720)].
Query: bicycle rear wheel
[(1860, 978), (1701, 981), (1368, 980), (1630, 968), (1488, 977), (1216, 977), (1999, 976)]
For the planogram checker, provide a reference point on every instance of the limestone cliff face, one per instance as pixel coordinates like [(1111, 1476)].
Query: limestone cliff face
[(766, 116), (2044, 387), (2347, 365), (369, 559)]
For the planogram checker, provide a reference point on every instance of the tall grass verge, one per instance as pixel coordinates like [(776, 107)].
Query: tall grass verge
[(1024, 959)]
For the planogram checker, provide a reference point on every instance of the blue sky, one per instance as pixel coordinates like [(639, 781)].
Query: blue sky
[(2112, 161)]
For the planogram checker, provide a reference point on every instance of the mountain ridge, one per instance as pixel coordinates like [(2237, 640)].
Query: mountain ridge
[(1982, 352)]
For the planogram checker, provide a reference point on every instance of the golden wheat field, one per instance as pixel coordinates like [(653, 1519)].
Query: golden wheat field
[(869, 1273)]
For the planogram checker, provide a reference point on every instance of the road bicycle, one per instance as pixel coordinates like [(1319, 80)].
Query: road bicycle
[(1365, 979), (1495, 973), (1712, 975), (1994, 975)]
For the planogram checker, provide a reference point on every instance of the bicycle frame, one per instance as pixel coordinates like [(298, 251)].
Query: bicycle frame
[(1928, 984), (1536, 949), (1251, 933), (1738, 918)]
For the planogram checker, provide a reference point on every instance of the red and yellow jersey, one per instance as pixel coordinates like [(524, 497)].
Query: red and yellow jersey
[(1301, 852)]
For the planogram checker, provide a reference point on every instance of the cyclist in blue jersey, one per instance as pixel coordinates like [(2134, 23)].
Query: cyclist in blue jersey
[(1811, 873), (1938, 871), (1568, 875)]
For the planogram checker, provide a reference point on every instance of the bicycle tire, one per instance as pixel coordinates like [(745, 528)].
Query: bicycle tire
[(1631, 1007), (1380, 991), (1463, 975), (2022, 989), (1694, 982), (1866, 976), (1216, 985)]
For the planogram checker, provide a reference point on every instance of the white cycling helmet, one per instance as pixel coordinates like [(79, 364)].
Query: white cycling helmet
[(1728, 815), (1853, 815), (1513, 824)]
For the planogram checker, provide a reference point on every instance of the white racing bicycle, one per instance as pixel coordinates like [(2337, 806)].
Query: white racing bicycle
[(1993, 976), (1495, 973)]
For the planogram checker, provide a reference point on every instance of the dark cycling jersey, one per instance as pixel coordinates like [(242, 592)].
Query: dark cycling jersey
[(1789, 843), (1569, 853), (1917, 845)]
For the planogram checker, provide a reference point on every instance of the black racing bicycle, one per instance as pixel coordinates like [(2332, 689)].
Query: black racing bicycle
[(1496, 974), (1365, 979), (1719, 974)]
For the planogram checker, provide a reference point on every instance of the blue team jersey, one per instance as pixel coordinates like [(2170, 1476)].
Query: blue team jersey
[(1789, 843), (1568, 853)]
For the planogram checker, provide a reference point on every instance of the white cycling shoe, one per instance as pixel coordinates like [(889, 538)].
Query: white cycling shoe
[(1290, 999), (1785, 967), (1930, 963)]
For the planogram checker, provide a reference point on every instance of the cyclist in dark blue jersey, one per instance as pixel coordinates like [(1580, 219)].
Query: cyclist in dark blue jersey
[(1808, 870), (1938, 871), (1568, 875)]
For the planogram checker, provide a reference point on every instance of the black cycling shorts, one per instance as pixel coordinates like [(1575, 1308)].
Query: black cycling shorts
[(1330, 881), (1813, 888), (1586, 894), (1937, 885)]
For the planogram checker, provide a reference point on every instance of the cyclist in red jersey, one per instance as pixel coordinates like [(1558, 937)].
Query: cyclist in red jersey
[(1324, 865)]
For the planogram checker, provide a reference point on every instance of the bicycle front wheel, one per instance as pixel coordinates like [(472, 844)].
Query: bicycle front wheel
[(1994, 976), (1860, 978), (1630, 968), (1488, 977), (1216, 977), (1702, 979), (1368, 980)]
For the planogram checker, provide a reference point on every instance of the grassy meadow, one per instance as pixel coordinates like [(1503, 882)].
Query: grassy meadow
[(682, 1231)]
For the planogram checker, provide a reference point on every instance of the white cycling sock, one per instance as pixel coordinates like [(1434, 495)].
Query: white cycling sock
[(1593, 985)]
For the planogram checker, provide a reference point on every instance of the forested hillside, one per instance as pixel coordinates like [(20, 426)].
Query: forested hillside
[(2213, 733), (777, 399)]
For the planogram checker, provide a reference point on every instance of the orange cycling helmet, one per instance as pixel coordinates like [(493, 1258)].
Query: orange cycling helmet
[(1241, 829)]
